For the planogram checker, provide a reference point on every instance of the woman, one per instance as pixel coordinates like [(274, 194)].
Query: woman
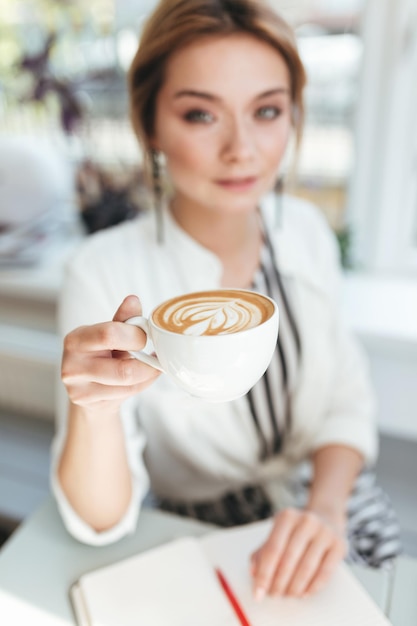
[(216, 88)]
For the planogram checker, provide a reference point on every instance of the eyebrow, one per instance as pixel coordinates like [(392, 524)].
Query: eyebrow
[(212, 98)]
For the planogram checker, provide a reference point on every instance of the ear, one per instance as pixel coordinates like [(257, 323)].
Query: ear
[(152, 141)]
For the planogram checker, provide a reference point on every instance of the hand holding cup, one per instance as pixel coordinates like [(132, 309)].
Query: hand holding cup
[(214, 344), (97, 368)]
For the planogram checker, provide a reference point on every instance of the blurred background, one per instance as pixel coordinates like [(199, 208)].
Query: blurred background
[(70, 165)]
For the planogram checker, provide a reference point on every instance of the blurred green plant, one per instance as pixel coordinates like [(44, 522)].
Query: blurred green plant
[(345, 240), (40, 59)]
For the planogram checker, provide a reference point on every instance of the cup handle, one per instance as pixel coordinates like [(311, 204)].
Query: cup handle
[(149, 359)]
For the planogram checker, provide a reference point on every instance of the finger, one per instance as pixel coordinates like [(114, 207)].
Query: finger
[(105, 371), (254, 559), (303, 533), (308, 565), (104, 336), (93, 393), (130, 307), (325, 570), (271, 552)]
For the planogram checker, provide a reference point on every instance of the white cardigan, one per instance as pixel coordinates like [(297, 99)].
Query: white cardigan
[(183, 447)]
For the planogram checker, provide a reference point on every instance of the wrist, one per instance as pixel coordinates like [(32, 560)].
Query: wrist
[(334, 513), (95, 413)]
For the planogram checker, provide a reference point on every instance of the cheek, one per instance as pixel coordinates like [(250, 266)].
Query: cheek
[(184, 154), (275, 144)]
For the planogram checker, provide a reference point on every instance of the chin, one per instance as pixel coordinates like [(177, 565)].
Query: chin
[(246, 205), (237, 203)]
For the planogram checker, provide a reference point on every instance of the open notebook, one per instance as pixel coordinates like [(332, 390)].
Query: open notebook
[(176, 585)]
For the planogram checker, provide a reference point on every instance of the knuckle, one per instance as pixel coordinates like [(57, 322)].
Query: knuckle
[(310, 520), (108, 335), (327, 535), (70, 341), (125, 372), (289, 514), (65, 374), (66, 371)]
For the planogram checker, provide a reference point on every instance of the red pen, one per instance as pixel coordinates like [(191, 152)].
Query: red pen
[(232, 599)]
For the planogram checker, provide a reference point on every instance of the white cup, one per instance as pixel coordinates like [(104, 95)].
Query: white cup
[(223, 364)]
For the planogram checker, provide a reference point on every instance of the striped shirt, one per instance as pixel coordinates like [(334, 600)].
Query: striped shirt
[(270, 399)]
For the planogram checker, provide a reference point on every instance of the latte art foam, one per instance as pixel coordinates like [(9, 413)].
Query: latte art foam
[(213, 312)]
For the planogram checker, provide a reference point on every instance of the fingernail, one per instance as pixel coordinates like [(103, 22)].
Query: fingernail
[(259, 593)]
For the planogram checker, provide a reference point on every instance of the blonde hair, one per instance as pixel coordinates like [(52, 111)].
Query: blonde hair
[(175, 24)]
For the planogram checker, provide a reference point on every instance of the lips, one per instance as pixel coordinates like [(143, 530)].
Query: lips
[(237, 183)]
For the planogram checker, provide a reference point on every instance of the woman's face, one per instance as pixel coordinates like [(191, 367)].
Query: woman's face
[(223, 119)]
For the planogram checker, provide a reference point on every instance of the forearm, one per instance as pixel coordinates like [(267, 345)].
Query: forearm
[(335, 469), (93, 470)]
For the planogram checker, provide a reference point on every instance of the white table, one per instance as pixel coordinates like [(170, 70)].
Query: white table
[(40, 561)]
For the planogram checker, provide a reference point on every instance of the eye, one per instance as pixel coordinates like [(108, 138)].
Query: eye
[(197, 116), (268, 113)]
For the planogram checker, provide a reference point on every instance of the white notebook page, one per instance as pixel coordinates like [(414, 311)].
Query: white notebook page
[(343, 602), (172, 585)]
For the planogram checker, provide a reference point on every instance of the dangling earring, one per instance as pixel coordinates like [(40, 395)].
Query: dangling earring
[(278, 191), (157, 191)]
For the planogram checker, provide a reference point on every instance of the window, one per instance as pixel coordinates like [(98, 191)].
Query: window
[(331, 47), (383, 199)]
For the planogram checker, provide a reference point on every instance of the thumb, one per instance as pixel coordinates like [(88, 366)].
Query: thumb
[(130, 307)]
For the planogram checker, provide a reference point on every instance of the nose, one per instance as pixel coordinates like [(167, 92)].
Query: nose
[(238, 141)]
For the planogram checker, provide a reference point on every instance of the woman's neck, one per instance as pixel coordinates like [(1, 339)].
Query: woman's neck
[(235, 238)]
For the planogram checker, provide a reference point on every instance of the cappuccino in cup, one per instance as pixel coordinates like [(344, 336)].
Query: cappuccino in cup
[(214, 344), (213, 312)]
